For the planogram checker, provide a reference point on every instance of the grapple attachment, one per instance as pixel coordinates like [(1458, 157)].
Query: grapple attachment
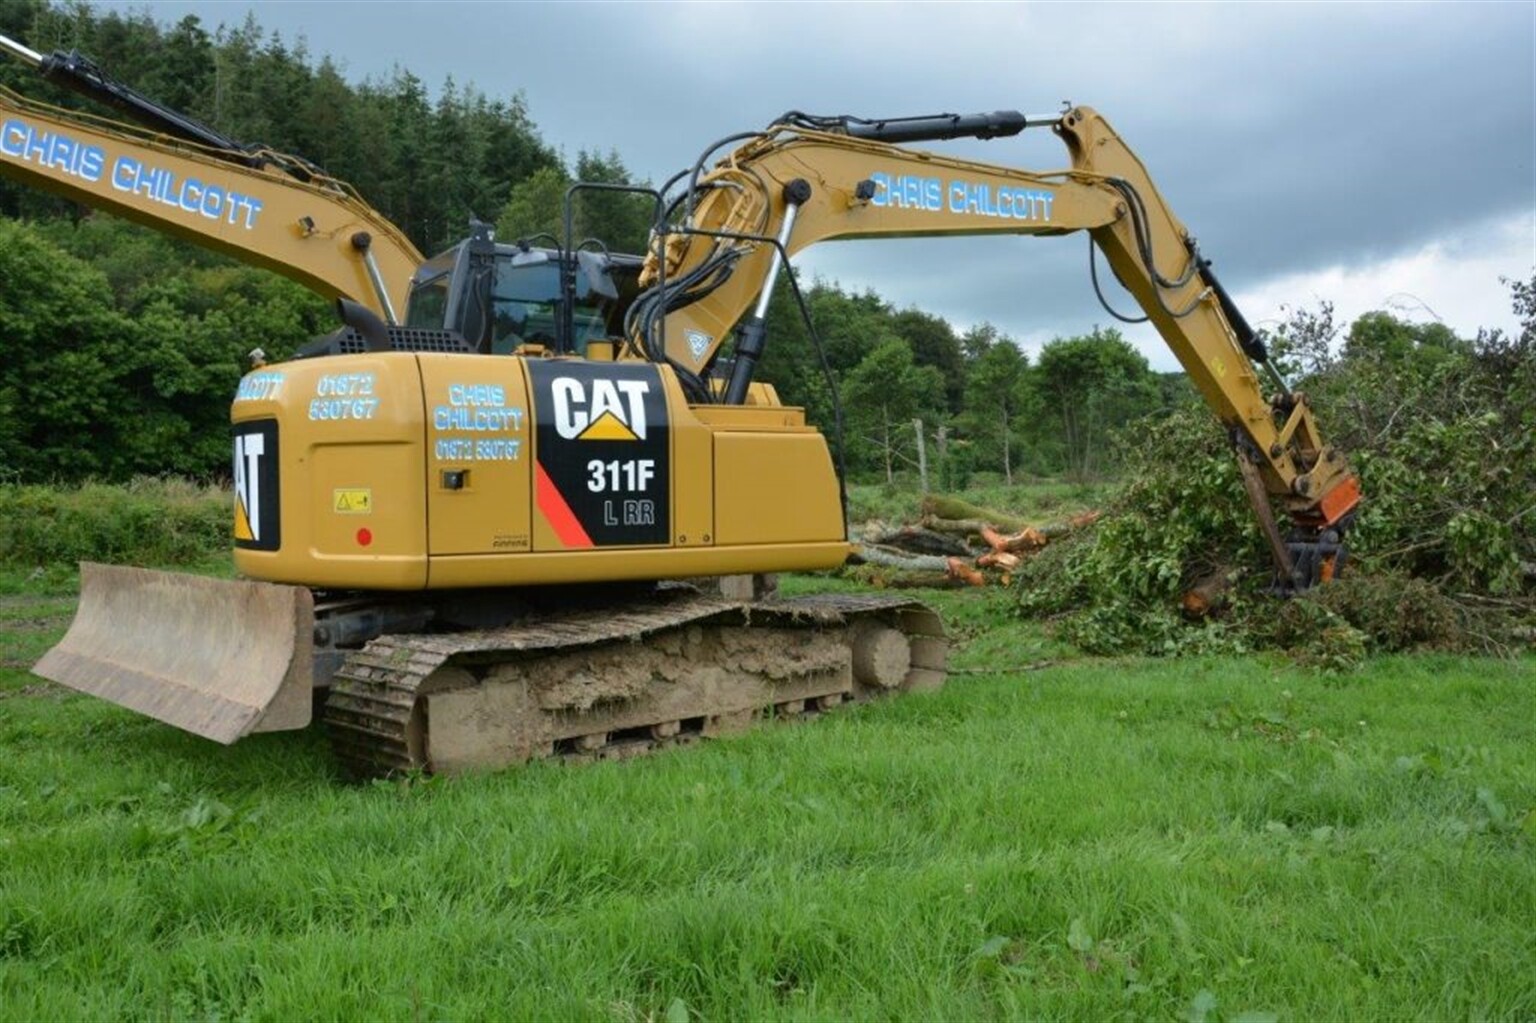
[(214, 657)]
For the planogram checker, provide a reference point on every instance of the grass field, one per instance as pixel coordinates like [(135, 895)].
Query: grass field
[(1214, 839)]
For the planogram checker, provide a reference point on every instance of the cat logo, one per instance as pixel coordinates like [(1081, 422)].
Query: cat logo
[(257, 507), (248, 451), (615, 411)]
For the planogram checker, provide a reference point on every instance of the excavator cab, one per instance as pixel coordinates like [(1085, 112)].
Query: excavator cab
[(499, 297)]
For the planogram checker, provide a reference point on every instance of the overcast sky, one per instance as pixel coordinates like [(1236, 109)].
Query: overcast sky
[(1372, 155)]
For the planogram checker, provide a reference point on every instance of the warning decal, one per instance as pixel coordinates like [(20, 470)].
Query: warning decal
[(257, 525), (354, 501), (603, 453)]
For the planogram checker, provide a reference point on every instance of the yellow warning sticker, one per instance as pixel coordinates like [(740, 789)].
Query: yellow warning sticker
[(352, 501)]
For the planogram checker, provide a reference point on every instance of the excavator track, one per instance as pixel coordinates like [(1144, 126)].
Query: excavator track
[(613, 682)]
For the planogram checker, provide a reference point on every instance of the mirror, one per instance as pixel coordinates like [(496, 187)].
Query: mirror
[(594, 267)]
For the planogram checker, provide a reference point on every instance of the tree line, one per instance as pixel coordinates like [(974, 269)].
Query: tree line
[(985, 405)]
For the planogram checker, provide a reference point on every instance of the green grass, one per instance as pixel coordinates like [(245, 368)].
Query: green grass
[(1087, 839)]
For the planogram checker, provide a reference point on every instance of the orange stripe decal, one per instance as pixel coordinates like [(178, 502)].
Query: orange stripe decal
[(557, 513)]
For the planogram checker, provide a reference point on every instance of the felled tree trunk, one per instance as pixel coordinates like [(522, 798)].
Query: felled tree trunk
[(1207, 596), (941, 507), (957, 527), (873, 555), (919, 541), (914, 569)]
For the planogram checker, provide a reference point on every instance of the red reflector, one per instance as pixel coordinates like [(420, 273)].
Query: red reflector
[(365, 536)]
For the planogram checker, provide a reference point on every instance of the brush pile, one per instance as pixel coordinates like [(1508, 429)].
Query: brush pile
[(1442, 433)]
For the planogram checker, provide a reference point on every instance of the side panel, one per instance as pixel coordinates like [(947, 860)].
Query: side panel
[(340, 443), (775, 488), (479, 459), (693, 475)]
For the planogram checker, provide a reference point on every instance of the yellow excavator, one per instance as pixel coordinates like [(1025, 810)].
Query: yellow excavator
[(455, 526)]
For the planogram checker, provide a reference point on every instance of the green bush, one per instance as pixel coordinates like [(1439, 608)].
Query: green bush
[(147, 521)]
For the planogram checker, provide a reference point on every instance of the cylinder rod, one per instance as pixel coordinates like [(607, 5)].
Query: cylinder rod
[(753, 334), (22, 53)]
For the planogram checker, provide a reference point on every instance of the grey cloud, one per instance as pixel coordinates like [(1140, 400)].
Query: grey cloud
[(1287, 136)]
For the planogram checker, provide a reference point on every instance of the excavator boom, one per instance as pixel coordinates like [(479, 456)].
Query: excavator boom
[(806, 180), (262, 208)]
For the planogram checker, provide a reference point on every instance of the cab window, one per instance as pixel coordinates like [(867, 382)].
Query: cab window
[(428, 307), (525, 308)]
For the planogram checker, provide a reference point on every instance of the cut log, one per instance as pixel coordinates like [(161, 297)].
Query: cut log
[(965, 573), (999, 559), (1027, 540), (873, 555), (953, 508), (1207, 596), (957, 527), (920, 541)]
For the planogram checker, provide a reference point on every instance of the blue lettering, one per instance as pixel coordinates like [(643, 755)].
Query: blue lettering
[(213, 202), (148, 182), (933, 194), (13, 139), (331, 409), (62, 154), (257, 386), (51, 152), (37, 147), (477, 408), (959, 196), (476, 420), (489, 395), (345, 385), (92, 162), (155, 183), (123, 173), (882, 189)]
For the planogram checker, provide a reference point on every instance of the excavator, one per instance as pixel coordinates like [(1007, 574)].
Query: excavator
[(470, 530)]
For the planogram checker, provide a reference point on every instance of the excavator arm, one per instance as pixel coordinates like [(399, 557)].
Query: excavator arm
[(808, 180), (178, 176)]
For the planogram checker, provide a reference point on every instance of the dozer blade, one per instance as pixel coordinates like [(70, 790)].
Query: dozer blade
[(217, 658)]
